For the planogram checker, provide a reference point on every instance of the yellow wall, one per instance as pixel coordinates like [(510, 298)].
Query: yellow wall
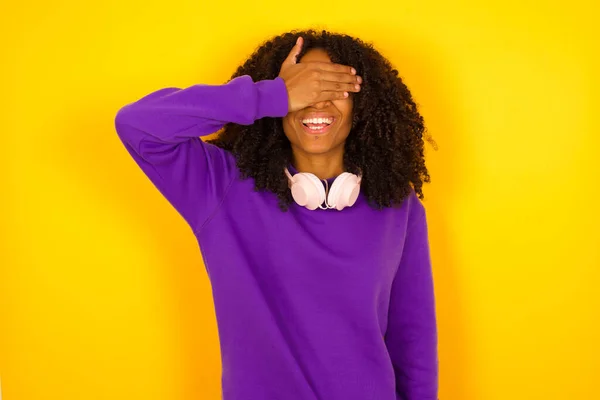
[(102, 290)]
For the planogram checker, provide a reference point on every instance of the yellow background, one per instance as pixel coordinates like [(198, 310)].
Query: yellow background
[(102, 290)]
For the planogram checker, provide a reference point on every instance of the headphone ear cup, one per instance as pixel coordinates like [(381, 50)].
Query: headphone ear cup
[(307, 190), (344, 191)]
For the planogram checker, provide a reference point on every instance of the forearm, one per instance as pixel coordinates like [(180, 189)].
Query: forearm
[(173, 115)]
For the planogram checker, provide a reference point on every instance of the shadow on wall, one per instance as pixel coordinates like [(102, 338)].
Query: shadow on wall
[(92, 156)]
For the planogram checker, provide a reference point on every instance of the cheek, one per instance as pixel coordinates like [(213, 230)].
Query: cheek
[(345, 108), (287, 120), (288, 126)]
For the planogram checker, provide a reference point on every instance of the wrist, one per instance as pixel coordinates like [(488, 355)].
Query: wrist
[(273, 100)]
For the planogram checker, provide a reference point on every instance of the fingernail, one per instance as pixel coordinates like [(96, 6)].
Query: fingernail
[(356, 87), (359, 79), (353, 71), (345, 94)]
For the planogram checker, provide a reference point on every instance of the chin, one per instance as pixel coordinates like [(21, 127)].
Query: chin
[(317, 144), (316, 149)]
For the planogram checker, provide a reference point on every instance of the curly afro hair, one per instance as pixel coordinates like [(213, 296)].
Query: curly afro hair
[(385, 143)]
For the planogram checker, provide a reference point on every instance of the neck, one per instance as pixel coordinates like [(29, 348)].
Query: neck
[(323, 166)]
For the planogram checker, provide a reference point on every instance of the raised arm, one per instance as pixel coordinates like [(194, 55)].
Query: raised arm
[(161, 132)]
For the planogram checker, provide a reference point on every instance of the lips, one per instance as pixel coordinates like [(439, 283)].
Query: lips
[(317, 123)]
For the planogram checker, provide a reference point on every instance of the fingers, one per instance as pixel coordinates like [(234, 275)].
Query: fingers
[(340, 77), (292, 58), (336, 68), (325, 96), (328, 86)]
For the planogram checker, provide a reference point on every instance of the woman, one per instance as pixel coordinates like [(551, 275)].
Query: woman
[(306, 210)]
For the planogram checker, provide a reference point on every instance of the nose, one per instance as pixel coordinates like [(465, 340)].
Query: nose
[(322, 104)]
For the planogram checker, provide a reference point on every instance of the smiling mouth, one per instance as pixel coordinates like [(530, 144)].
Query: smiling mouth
[(318, 126)]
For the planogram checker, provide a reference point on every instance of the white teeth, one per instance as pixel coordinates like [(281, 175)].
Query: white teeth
[(327, 121)]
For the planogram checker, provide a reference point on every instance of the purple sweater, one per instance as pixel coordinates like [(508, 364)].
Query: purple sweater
[(310, 305)]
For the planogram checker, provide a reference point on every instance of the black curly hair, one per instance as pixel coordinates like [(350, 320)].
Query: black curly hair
[(385, 143)]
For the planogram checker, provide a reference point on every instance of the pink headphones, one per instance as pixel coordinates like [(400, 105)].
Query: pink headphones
[(308, 191)]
